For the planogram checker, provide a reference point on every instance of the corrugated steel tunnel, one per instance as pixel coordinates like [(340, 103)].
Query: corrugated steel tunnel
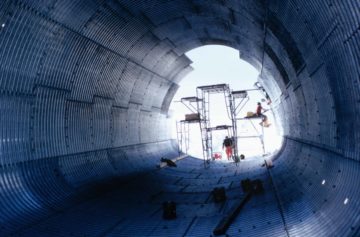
[(85, 90)]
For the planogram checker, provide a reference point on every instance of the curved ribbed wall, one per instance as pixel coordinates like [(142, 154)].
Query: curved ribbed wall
[(86, 86)]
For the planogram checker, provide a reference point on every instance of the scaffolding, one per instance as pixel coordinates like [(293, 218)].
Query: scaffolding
[(259, 133), (203, 107), (240, 100), (199, 106), (183, 134), (183, 126)]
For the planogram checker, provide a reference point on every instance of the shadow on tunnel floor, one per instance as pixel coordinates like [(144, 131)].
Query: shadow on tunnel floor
[(133, 206)]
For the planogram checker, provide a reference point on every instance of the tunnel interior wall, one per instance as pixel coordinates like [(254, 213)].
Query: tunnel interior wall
[(86, 86), (81, 103), (317, 191)]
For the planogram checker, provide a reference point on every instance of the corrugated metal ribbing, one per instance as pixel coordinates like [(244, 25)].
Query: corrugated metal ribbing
[(126, 84), (354, 45), (101, 123), (109, 76), (15, 130), (348, 12), (78, 125), (30, 197), (67, 12), (327, 114), (86, 168), (59, 83), (295, 113), (20, 63), (320, 18), (312, 116), (315, 68), (48, 120), (129, 35), (40, 188), (187, 42), (150, 92), (133, 125), (159, 17), (349, 60), (60, 59), (179, 23), (314, 196), (146, 131), (119, 126), (140, 86), (181, 63), (4, 6), (18, 204), (95, 27), (269, 71), (244, 21), (143, 46), (83, 77), (157, 52), (180, 75), (341, 78), (133, 7), (166, 64), (284, 33), (169, 96), (275, 59), (155, 92)]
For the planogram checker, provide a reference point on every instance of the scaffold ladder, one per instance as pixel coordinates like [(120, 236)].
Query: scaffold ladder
[(203, 106)]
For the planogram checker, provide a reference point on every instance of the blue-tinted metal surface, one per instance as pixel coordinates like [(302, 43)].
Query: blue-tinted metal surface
[(133, 208), (85, 87)]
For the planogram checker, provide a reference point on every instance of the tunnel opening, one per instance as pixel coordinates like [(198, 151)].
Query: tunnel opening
[(217, 64)]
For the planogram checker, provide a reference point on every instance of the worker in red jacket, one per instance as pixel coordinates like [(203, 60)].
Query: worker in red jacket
[(228, 144)]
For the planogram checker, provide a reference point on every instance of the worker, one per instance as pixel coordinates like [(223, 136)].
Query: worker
[(264, 119), (228, 144)]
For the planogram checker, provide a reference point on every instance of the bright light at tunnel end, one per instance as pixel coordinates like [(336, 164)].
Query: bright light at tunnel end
[(217, 65)]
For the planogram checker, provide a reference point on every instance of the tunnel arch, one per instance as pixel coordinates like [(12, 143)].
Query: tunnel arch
[(86, 86)]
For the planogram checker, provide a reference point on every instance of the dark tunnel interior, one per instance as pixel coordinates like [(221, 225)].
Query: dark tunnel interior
[(85, 91)]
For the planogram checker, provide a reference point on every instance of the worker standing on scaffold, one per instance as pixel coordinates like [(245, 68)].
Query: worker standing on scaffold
[(228, 144)]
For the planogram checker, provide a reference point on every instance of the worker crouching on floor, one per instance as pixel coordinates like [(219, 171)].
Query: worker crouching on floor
[(228, 145)]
